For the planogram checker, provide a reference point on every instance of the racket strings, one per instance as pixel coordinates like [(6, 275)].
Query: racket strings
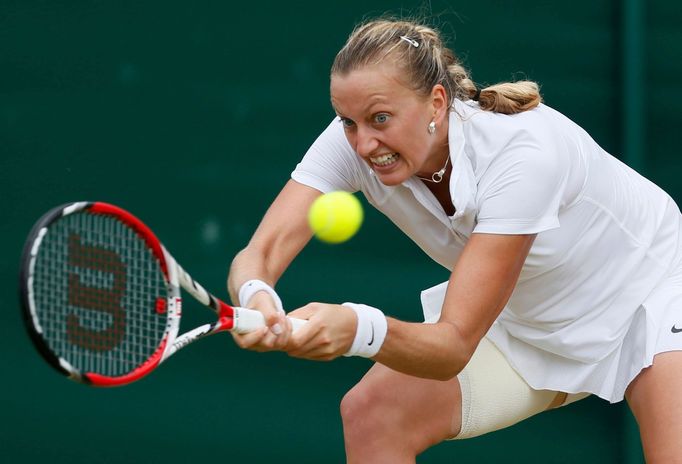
[(96, 286)]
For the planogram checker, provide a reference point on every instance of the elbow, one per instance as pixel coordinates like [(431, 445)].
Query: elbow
[(247, 258), (457, 355), (451, 369), (238, 257), (446, 375)]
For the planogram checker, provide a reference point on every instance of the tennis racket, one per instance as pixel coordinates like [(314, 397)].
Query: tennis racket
[(101, 296)]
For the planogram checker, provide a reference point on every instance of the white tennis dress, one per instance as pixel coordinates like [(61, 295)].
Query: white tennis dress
[(601, 290)]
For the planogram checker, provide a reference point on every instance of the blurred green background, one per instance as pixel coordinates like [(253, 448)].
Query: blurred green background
[(192, 115)]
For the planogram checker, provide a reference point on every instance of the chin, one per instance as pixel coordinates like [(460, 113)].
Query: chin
[(392, 179)]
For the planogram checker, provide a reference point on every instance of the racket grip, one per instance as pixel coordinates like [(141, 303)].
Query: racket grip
[(296, 323), (247, 320)]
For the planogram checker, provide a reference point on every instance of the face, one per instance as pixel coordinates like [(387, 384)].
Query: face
[(386, 123)]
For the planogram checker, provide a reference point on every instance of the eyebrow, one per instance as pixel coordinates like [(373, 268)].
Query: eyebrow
[(372, 100)]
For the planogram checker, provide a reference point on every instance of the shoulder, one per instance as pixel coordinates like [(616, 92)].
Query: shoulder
[(489, 130), (332, 146), (333, 137), (331, 163), (538, 135)]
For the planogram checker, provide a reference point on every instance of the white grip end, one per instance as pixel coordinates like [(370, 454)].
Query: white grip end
[(247, 320), (297, 323)]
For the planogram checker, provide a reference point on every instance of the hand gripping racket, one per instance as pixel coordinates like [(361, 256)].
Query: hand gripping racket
[(101, 296)]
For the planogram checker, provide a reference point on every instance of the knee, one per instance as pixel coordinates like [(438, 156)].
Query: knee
[(363, 410)]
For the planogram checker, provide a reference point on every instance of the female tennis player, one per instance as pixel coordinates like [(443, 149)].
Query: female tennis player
[(566, 265)]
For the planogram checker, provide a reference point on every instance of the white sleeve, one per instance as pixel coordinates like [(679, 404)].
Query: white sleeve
[(330, 163), (522, 189)]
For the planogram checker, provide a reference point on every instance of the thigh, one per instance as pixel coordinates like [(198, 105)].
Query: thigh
[(655, 399), (488, 395), (495, 396), (426, 410)]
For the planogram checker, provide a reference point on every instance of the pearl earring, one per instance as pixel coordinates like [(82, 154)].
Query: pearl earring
[(432, 127)]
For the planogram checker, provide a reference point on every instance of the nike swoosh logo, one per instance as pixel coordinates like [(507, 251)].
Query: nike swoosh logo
[(371, 340), (675, 330)]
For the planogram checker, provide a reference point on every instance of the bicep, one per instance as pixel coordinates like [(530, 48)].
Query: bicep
[(482, 282)]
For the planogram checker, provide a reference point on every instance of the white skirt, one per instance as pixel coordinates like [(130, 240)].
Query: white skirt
[(654, 329)]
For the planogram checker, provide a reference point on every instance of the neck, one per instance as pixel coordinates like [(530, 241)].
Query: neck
[(440, 174), (441, 191)]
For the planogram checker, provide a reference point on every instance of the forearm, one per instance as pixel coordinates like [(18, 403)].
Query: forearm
[(281, 235), (248, 264), (479, 288), (434, 351), (262, 263)]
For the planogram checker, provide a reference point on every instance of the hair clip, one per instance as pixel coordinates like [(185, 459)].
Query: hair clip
[(412, 42)]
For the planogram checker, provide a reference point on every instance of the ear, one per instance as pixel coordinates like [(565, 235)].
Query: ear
[(439, 101)]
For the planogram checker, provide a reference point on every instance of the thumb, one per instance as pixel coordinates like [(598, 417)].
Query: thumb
[(304, 312), (264, 303)]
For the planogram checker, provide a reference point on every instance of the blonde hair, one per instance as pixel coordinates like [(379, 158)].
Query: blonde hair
[(426, 61)]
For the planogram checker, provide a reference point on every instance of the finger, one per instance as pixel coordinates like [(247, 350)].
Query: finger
[(268, 342), (299, 340), (304, 312), (264, 303), (263, 344), (278, 325), (282, 339), (250, 339), (319, 348), (272, 320)]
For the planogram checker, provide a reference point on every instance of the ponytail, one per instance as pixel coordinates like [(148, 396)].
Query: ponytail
[(510, 97)]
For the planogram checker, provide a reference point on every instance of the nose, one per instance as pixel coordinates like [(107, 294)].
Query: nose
[(366, 141)]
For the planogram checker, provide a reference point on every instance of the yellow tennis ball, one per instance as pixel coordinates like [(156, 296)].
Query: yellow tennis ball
[(335, 216)]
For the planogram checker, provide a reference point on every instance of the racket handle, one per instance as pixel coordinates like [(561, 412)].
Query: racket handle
[(296, 323), (247, 320)]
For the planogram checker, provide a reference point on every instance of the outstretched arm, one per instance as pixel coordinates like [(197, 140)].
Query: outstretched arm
[(281, 235), (479, 288)]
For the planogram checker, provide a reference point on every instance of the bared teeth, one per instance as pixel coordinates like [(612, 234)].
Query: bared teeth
[(385, 160)]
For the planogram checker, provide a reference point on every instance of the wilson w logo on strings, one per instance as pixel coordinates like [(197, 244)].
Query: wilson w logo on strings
[(100, 298)]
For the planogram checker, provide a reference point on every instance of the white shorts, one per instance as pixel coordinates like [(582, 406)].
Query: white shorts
[(494, 396)]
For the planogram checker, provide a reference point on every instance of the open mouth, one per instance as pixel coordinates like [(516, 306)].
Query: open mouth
[(385, 160)]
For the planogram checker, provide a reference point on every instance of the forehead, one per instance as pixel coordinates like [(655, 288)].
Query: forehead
[(369, 84)]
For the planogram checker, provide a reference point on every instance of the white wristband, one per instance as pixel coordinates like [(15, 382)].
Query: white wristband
[(371, 332), (249, 288)]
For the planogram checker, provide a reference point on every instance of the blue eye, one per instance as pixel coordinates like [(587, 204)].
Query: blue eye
[(381, 118), (346, 122)]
